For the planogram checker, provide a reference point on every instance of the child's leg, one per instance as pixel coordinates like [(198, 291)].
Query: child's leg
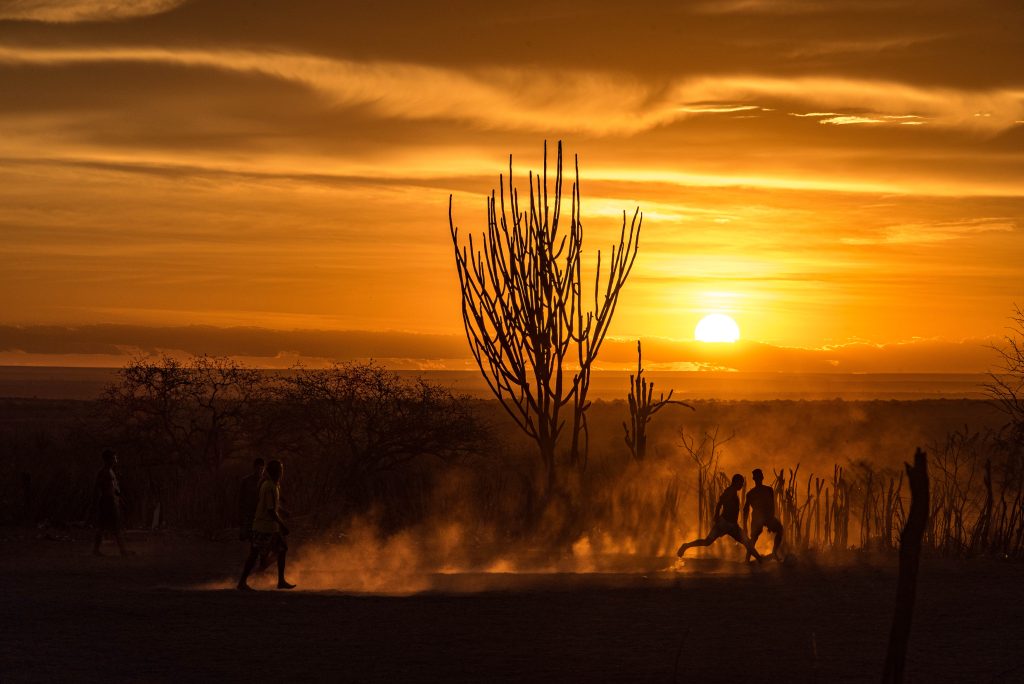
[(254, 554)]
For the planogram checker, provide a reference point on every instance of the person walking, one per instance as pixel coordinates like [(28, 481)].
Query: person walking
[(107, 505), (268, 529)]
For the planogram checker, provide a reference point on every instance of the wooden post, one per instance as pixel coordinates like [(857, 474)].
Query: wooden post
[(910, 556)]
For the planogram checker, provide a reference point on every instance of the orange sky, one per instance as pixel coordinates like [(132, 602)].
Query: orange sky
[(832, 175)]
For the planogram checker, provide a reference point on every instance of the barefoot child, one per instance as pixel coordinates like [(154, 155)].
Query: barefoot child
[(760, 506), (727, 513), (268, 530)]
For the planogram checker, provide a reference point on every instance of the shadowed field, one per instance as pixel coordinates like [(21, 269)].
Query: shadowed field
[(69, 616)]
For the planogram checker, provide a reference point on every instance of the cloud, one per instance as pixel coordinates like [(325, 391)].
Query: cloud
[(261, 347), (717, 109), (70, 11), (784, 7), (591, 102), (846, 119), (918, 233)]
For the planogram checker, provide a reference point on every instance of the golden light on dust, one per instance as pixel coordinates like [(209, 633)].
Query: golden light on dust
[(717, 328)]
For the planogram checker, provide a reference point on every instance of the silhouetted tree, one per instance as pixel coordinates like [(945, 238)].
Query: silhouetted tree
[(177, 423), (353, 421), (524, 311), (1006, 385), (642, 408), (188, 414)]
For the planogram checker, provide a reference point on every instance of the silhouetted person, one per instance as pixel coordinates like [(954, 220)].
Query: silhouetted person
[(727, 513), (248, 497), (268, 530), (761, 507), (107, 504)]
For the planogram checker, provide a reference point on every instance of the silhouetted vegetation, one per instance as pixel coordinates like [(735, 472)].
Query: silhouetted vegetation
[(1007, 382), (348, 427), (525, 312), (360, 442), (355, 436), (642, 407)]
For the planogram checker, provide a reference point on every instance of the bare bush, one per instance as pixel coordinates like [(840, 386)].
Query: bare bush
[(346, 425)]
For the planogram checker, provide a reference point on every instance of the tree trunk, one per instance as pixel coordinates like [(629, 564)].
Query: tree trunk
[(910, 556)]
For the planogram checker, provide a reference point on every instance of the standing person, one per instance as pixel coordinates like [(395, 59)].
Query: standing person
[(727, 513), (107, 504), (761, 504), (268, 530), (248, 497)]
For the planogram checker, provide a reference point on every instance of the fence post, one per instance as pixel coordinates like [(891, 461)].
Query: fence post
[(910, 556)]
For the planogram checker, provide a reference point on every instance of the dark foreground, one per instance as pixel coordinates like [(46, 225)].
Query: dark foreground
[(67, 616)]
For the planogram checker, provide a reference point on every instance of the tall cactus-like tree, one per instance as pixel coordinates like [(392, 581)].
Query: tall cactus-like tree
[(642, 407), (524, 308)]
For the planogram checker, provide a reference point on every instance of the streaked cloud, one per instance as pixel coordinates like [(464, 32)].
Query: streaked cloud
[(70, 11), (718, 109), (837, 119), (592, 102), (920, 233), (114, 345)]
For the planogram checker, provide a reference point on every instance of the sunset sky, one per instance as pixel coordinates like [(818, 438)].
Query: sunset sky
[(845, 179)]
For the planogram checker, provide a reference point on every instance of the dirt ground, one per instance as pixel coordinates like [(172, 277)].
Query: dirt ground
[(68, 616)]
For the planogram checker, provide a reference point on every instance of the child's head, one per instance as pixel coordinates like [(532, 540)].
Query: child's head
[(758, 476), (737, 481), (109, 458), (274, 470)]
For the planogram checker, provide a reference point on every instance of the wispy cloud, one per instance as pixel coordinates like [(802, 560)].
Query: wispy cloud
[(717, 109), (591, 102), (920, 233), (115, 345), (836, 119), (769, 6), (70, 11)]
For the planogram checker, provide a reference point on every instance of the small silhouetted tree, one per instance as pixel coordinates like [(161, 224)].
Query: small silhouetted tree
[(642, 407), (525, 310), (1006, 384)]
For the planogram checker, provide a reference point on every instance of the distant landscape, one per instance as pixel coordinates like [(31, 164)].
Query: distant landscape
[(86, 383)]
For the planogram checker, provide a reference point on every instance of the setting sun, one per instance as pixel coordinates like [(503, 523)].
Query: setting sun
[(717, 328)]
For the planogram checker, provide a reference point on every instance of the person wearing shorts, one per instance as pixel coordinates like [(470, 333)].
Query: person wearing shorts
[(760, 507), (248, 499), (727, 513), (268, 530)]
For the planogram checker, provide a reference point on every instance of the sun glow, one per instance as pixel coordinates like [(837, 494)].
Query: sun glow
[(717, 328)]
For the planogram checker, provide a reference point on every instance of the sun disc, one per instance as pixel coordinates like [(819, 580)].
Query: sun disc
[(717, 328)]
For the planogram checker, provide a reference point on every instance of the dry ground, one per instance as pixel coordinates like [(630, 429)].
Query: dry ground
[(67, 616)]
